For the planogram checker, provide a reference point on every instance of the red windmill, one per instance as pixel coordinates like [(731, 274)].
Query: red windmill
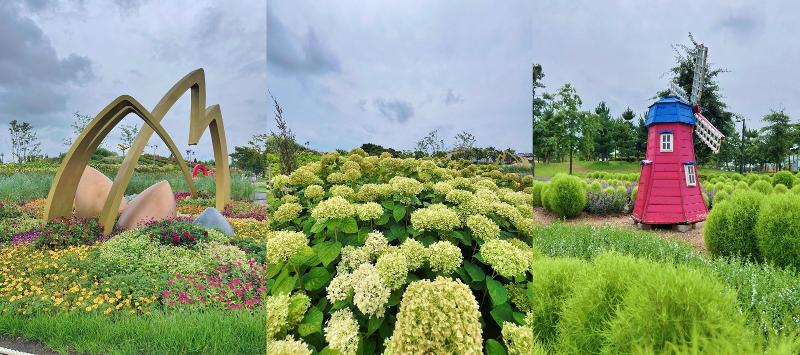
[(669, 190)]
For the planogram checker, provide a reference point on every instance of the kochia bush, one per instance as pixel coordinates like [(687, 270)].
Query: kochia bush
[(783, 177), (566, 195), (730, 228), (778, 230)]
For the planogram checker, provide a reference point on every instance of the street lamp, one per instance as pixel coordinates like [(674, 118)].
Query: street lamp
[(740, 118)]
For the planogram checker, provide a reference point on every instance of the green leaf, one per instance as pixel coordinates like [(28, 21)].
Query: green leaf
[(327, 252), (395, 298), (274, 269), (519, 317), (312, 323), (350, 226), (398, 212), (493, 347), (373, 324), (383, 220), (305, 257), (502, 313), (332, 224), (328, 351), (463, 238), (284, 284), (475, 272), (389, 205), (316, 278), (497, 292), (397, 232), (318, 227)]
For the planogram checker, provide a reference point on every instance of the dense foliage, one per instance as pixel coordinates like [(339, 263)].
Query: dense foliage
[(361, 242)]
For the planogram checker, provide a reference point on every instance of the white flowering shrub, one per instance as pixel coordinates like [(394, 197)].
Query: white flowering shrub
[(395, 255)]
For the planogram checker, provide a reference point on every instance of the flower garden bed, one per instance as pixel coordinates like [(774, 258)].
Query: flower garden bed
[(167, 287)]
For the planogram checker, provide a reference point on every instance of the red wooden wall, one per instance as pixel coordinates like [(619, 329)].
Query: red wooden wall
[(664, 197)]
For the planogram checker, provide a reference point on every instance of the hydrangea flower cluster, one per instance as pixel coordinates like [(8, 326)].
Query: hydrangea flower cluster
[(506, 258), (304, 176), (341, 332), (333, 208), (483, 227), (518, 339), (405, 186), (437, 317), (375, 245), (314, 192), (416, 254), (351, 258), (436, 217), (444, 257), (343, 191), (340, 288), (393, 269), (288, 346), (282, 245), (287, 212), (285, 313), (370, 295), (369, 211), (373, 192)]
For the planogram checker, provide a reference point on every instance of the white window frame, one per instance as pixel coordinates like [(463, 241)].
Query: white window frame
[(691, 175), (665, 145)]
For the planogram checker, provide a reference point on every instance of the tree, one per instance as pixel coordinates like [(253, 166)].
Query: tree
[(603, 143), (249, 159), (24, 143), (537, 74), (462, 147), (127, 137), (431, 144), (575, 122), (778, 137), (714, 108), (375, 149), (79, 123), (284, 140)]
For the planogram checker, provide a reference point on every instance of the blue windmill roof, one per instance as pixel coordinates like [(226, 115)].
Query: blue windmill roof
[(670, 109)]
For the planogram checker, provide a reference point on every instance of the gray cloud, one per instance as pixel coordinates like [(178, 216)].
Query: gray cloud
[(291, 54), (451, 98), (33, 78), (742, 22), (394, 110)]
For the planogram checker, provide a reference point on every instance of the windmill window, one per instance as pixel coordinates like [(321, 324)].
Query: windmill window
[(666, 142), (691, 178)]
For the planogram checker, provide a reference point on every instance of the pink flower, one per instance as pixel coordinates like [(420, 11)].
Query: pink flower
[(165, 294)]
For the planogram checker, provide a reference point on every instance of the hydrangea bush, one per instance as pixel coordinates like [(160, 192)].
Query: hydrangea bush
[(369, 239)]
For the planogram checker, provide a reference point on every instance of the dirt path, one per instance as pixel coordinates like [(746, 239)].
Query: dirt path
[(693, 237), (25, 346)]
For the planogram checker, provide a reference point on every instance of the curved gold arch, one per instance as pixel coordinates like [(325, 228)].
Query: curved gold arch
[(65, 183)]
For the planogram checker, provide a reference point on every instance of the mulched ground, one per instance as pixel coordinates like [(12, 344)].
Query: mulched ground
[(693, 237), (25, 346)]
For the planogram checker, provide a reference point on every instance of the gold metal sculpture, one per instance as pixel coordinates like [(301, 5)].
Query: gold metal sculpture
[(65, 183)]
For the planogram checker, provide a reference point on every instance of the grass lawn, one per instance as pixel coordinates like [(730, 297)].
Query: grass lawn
[(546, 170)]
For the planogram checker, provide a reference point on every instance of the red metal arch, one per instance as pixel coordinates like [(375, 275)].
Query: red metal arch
[(199, 167)]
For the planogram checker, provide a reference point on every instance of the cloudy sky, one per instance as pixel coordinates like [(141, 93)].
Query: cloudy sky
[(59, 57), (349, 72), (620, 52)]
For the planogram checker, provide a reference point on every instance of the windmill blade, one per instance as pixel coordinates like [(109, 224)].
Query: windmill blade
[(676, 90), (699, 78), (707, 133)]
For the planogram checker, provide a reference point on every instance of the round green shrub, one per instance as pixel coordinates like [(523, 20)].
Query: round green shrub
[(783, 177), (545, 189), (719, 197), (730, 227), (674, 306), (595, 186), (537, 192), (762, 187), (634, 193), (741, 185), (780, 189), (778, 230), (554, 281), (566, 195)]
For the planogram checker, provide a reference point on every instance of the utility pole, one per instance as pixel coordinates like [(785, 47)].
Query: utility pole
[(740, 118)]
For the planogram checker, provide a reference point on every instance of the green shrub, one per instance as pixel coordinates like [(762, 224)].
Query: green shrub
[(730, 228), (762, 187), (555, 279), (634, 193), (675, 306), (537, 192), (599, 307), (780, 189), (783, 177), (566, 195), (545, 189), (778, 230), (719, 196), (595, 186)]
